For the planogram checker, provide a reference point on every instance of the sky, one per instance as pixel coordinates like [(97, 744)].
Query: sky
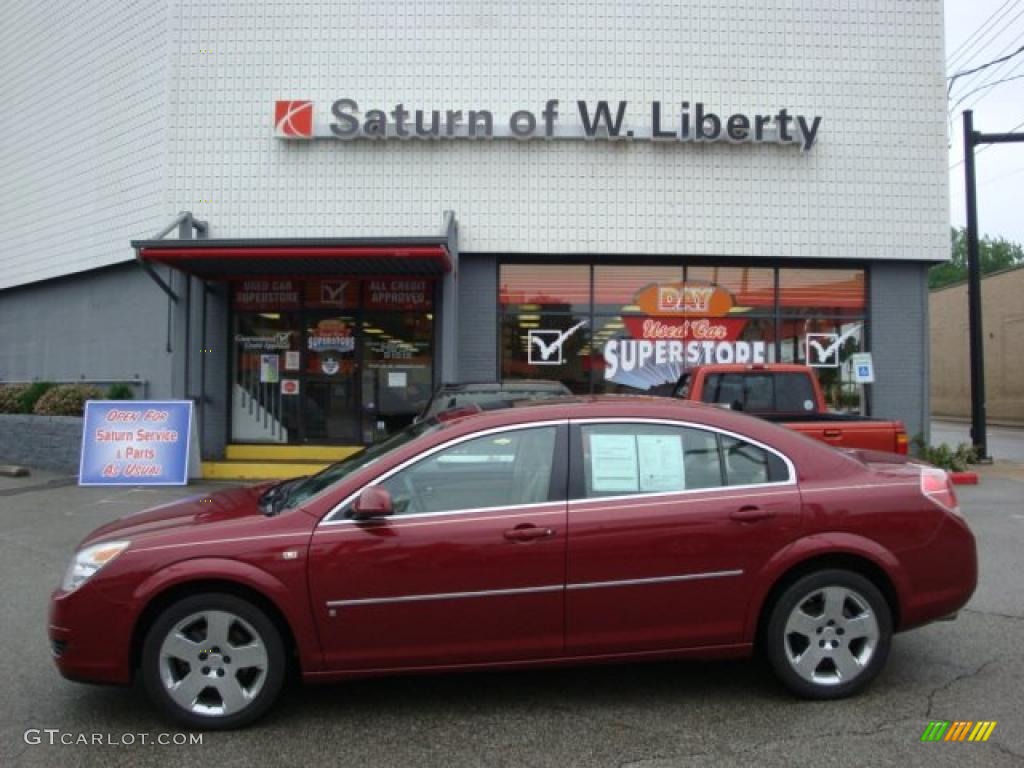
[(1000, 167)]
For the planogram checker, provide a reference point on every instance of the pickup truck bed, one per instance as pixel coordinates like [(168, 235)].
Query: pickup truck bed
[(777, 383)]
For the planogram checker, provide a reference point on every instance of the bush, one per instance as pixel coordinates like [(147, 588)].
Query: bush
[(10, 397), (66, 400), (949, 459), (32, 393), (120, 391)]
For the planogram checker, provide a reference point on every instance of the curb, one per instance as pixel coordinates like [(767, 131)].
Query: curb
[(964, 478)]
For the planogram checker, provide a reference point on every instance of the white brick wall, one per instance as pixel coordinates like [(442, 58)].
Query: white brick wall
[(82, 152), (873, 187)]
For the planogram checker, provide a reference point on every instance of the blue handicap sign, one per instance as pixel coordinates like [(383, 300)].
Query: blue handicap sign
[(135, 442), (863, 371)]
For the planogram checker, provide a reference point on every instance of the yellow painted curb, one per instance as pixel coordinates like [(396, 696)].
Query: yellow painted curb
[(325, 453), (258, 470)]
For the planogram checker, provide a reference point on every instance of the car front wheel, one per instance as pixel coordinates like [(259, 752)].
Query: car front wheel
[(213, 661), (829, 634)]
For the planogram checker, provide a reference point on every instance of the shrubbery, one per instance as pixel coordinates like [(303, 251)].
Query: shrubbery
[(950, 459), (66, 400), (10, 397), (32, 393), (47, 399), (120, 391), (22, 398)]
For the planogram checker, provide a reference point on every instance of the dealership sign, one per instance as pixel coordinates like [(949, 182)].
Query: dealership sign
[(679, 122), (136, 442)]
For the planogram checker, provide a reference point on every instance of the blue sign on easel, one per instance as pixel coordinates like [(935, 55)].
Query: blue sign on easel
[(136, 442)]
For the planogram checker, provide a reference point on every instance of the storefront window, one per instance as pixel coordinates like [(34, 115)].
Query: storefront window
[(825, 292), (639, 328), (752, 288), (531, 288), (547, 346), (616, 288)]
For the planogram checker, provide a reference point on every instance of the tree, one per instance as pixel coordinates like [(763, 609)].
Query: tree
[(995, 253)]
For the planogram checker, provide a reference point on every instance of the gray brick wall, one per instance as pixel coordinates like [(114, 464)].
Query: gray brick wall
[(46, 442), (478, 317), (899, 343)]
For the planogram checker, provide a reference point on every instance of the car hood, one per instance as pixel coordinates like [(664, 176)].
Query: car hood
[(201, 509)]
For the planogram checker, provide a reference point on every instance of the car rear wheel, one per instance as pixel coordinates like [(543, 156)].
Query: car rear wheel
[(213, 661), (829, 634)]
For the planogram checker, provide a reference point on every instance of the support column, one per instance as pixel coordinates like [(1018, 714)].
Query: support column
[(448, 371)]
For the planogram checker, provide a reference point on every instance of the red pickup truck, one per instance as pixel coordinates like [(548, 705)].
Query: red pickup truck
[(789, 395)]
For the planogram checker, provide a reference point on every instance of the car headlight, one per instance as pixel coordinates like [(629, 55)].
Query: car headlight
[(88, 561)]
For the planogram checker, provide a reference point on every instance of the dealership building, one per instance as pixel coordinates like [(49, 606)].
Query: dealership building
[(305, 217)]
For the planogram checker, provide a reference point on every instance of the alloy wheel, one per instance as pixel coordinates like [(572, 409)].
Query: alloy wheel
[(213, 663), (831, 636)]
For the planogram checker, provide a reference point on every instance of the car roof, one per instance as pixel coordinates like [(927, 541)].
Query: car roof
[(505, 386)]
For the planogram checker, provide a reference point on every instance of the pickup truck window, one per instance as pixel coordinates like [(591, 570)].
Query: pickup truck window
[(761, 392)]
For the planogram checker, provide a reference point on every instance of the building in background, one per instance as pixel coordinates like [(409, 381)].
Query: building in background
[(1002, 321), (763, 181)]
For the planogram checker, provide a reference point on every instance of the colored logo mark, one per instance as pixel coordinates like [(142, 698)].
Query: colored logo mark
[(293, 119), (958, 730)]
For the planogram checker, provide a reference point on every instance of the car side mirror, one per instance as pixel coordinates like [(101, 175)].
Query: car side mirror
[(372, 502)]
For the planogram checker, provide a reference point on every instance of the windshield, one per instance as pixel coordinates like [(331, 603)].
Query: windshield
[(308, 487)]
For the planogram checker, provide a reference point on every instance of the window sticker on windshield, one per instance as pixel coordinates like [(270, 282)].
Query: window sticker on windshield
[(661, 463), (808, 405), (613, 463), (502, 441)]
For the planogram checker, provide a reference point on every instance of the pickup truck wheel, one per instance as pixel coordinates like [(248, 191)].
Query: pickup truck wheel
[(213, 661), (829, 634)]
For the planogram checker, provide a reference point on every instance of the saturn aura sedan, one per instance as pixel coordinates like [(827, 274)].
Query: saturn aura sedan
[(553, 532)]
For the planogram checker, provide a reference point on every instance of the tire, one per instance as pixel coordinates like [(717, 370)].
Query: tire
[(829, 634), (213, 661)]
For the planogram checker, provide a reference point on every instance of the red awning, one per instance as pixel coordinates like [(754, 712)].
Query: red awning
[(225, 260)]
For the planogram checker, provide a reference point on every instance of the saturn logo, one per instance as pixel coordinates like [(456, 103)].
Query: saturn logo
[(293, 119)]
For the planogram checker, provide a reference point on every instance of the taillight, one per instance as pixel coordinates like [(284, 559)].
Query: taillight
[(902, 443), (937, 485)]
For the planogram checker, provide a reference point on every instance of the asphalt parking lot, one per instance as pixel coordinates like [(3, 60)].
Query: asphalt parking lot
[(645, 716)]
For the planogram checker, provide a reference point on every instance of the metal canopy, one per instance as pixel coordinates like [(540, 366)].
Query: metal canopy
[(236, 258)]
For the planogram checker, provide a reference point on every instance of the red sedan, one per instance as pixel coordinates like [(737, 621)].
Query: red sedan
[(581, 530)]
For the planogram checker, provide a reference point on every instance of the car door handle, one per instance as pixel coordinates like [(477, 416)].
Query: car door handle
[(833, 433), (528, 533), (751, 514)]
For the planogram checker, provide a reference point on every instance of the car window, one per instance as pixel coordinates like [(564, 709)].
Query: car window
[(747, 464), (648, 458), (305, 488), (497, 470), (623, 459)]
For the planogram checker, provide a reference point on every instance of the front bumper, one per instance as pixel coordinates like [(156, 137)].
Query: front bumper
[(90, 636)]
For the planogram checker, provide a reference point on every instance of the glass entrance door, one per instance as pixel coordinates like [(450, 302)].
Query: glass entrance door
[(330, 383), (330, 361)]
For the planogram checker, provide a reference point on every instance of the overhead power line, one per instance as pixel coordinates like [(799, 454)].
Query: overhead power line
[(1002, 71), (953, 78), (983, 29), (982, 88)]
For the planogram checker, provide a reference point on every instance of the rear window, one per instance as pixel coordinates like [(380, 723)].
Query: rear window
[(761, 392)]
